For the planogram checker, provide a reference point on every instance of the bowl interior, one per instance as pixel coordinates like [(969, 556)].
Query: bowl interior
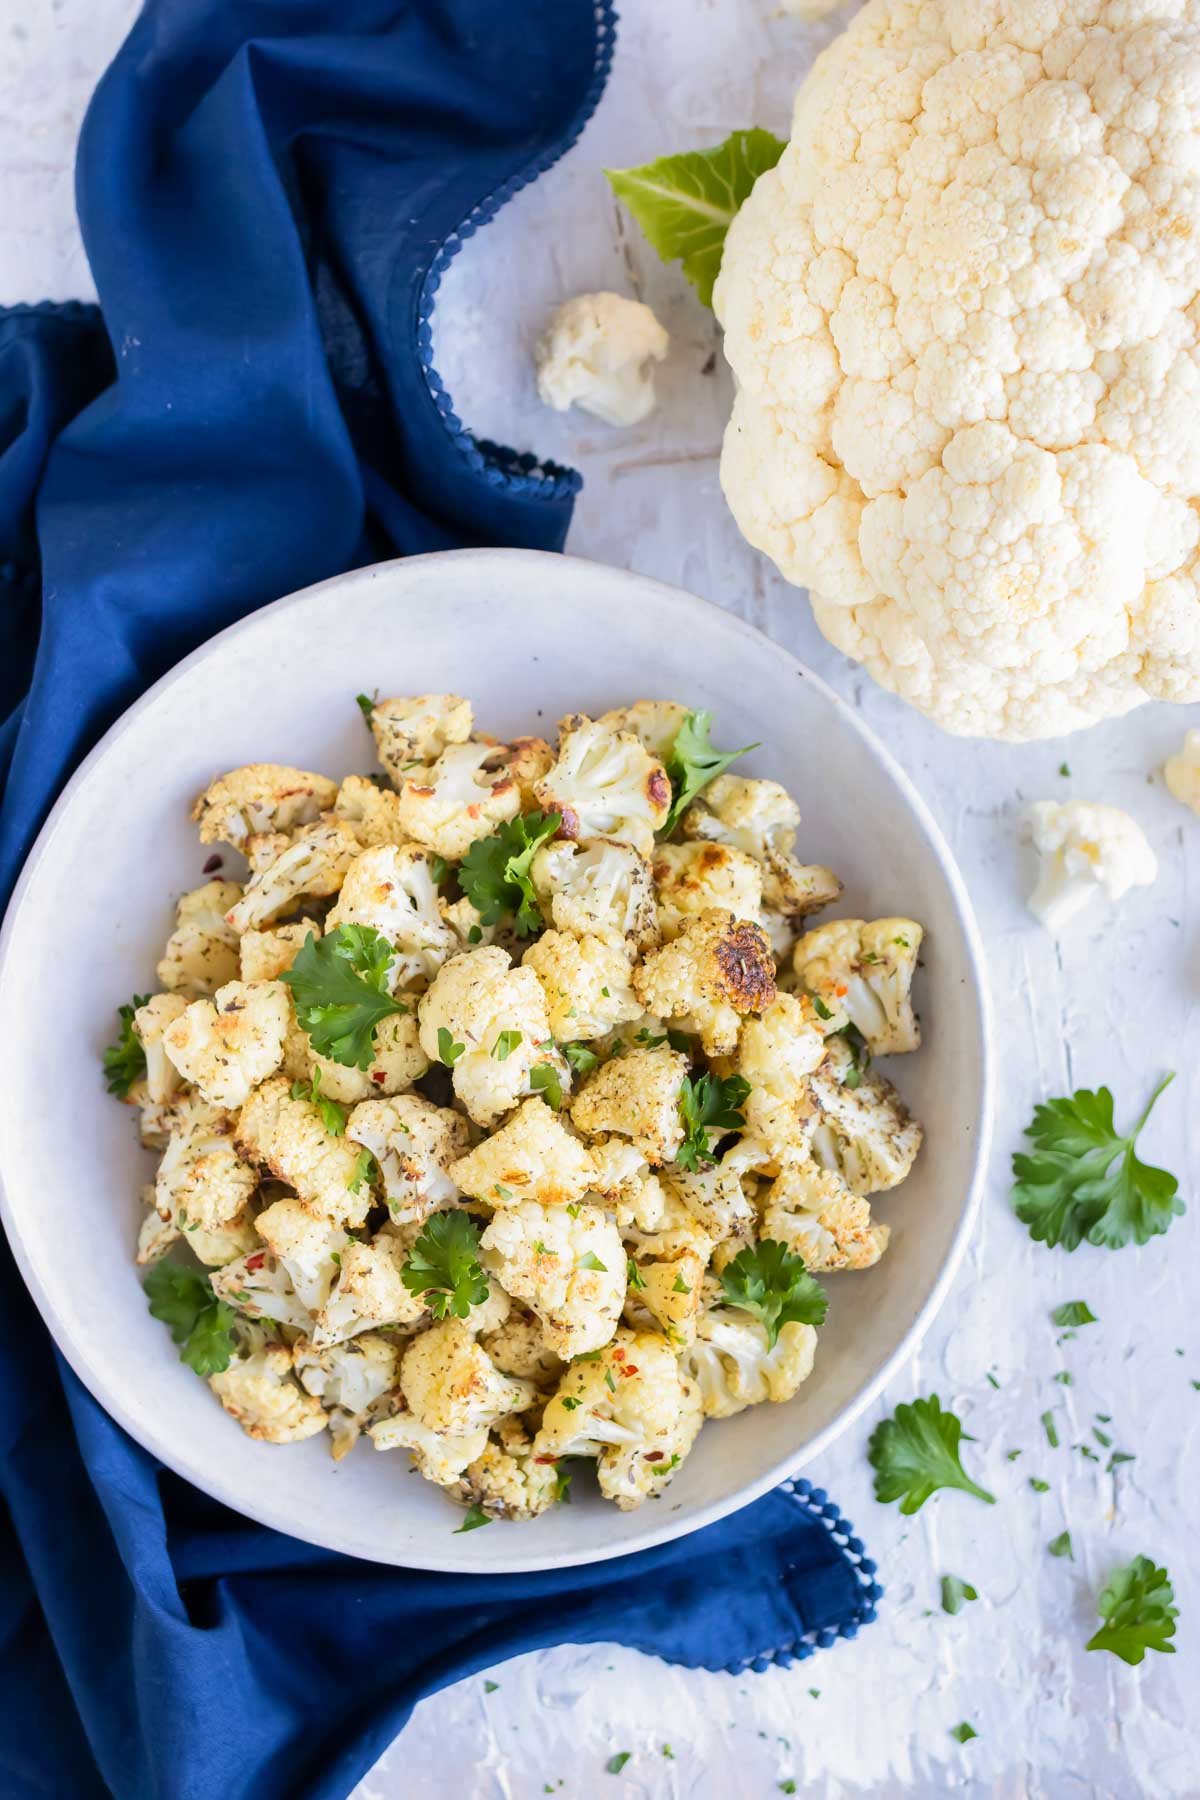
[(528, 638)]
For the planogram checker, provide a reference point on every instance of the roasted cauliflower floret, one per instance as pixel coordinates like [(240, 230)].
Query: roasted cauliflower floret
[(349, 1380), (438, 1456), (636, 1096), (568, 1265), (865, 970), (776, 1054), (760, 817), (518, 1347), (227, 1045), (289, 1138), (509, 1481), (368, 1292), (372, 811), (734, 1367), (463, 796), (498, 1016), (416, 1145), (312, 867), (266, 954), (397, 1061), (586, 983), (597, 888), (150, 1022), (418, 729), (633, 1409), (260, 1391), (692, 878), (528, 760), (605, 784), (716, 971), (308, 1246), (813, 1212), (715, 1196), (258, 798), (865, 1132), (201, 953), (667, 1293), (259, 1287), (532, 1156), (655, 1221), (450, 1383), (202, 1180), (393, 890), (655, 723)]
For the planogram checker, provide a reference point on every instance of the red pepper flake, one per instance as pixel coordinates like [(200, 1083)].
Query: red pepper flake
[(213, 864), (655, 1455), (548, 1459), (379, 1076), (256, 1261)]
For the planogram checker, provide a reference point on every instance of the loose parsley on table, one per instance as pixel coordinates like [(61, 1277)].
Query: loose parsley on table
[(1061, 1545), (1139, 1612), (693, 763), (915, 1453), (125, 1060), (339, 985), (768, 1281), (494, 874), (709, 1104), (200, 1324), (443, 1265), (1074, 1312), (956, 1593)]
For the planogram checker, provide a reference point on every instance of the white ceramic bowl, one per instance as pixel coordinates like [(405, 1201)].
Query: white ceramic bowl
[(528, 637)]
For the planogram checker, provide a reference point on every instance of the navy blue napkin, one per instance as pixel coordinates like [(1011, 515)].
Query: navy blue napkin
[(269, 192)]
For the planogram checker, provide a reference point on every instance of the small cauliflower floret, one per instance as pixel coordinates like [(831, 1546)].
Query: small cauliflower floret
[(262, 1394), (760, 817), (654, 1220), (633, 1408), (438, 1456), (715, 1196), (1085, 849), (202, 1179), (450, 1383), (670, 1291), (368, 1292), (865, 1133), (717, 970), (531, 1157), (691, 878), (418, 729), (224, 1243), (1181, 772), (636, 1097), (461, 797), (619, 1169), (261, 797), (202, 951), (865, 970), (734, 1367), (518, 1347), (266, 954), (259, 1287), (466, 922), (348, 1380), (227, 1045), (397, 1061), (308, 1246), (155, 1234), (313, 866), (569, 1266), (508, 1481), (605, 784), (776, 1054), (598, 353), (527, 760), (597, 888), (476, 998), (586, 983), (415, 1144), (393, 891), (149, 1023), (655, 722), (813, 1212), (289, 1138), (372, 811)]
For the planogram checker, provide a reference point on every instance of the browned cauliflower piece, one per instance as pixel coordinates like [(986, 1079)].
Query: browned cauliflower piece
[(373, 812), (519, 1347), (261, 797), (761, 817), (201, 953), (463, 796), (604, 783), (450, 1383), (288, 1137), (597, 888), (813, 1212), (150, 1024), (227, 1045), (716, 971), (532, 1156), (312, 867), (692, 878), (202, 1180), (417, 729), (636, 1097), (586, 983), (416, 1146), (260, 1391)]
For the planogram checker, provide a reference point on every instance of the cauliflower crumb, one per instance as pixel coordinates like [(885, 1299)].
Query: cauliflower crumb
[(1085, 849), (598, 353)]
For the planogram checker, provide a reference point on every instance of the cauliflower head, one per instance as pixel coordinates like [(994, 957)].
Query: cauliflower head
[(258, 798), (598, 353), (417, 729), (463, 796), (227, 1045), (568, 1264), (416, 1145), (497, 1014), (864, 1132), (716, 971), (960, 313), (598, 888), (636, 1097), (532, 1156), (864, 970), (586, 983), (392, 889), (1084, 849), (451, 1385), (201, 953), (605, 784)]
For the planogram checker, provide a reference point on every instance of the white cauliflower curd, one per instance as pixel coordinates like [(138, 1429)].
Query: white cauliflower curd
[(961, 314), (1181, 772), (598, 353), (485, 1129), (1085, 849)]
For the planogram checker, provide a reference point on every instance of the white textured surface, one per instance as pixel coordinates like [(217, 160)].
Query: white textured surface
[(1116, 1006)]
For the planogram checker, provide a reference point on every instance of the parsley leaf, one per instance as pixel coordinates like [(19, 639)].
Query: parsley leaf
[(124, 1059), (1061, 1545), (1074, 1312), (616, 1763), (589, 1260), (685, 204), (365, 1169), (964, 1732), (443, 1267), (339, 984), (333, 1116), (767, 1280), (494, 874), (581, 1057), (366, 706), (1084, 1179), (693, 763), (1139, 1612), (544, 1079), (506, 1042), (633, 1275), (915, 1453), (956, 1593), (707, 1104), (474, 1518), (200, 1324)]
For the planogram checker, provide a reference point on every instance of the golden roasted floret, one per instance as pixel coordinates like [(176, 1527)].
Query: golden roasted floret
[(392, 890), (451, 1385), (715, 972), (636, 1096), (418, 729), (373, 812), (261, 1392), (261, 797), (289, 1138), (312, 867), (202, 1180), (568, 1264), (813, 1212), (586, 983), (150, 1023), (227, 1045), (597, 888), (416, 1146), (760, 817), (863, 969), (489, 1022), (461, 797), (865, 1132), (201, 953), (532, 1156), (604, 783)]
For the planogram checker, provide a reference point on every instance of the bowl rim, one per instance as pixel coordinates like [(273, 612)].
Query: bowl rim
[(791, 1462)]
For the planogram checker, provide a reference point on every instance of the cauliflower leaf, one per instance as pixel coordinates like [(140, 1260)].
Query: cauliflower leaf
[(709, 1103), (1139, 1612), (693, 763), (1084, 1180), (339, 984), (200, 1324), (443, 1265), (767, 1280), (125, 1059), (915, 1453), (495, 873), (685, 204)]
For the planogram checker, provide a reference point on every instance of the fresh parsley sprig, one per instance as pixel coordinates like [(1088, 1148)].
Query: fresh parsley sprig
[(339, 984), (200, 1324), (124, 1059), (443, 1265), (709, 1104), (915, 1453), (1139, 1612), (693, 763), (494, 874), (1084, 1180), (768, 1281)]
